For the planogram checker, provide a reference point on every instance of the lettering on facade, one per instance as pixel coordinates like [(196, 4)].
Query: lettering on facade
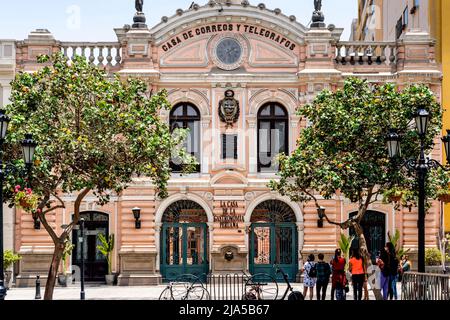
[(218, 28), (229, 218)]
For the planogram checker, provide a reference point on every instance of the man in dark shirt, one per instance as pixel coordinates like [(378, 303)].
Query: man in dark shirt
[(323, 270)]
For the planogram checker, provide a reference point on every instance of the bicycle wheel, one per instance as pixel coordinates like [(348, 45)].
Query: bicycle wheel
[(197, 293), (166, 294), (190, 279), (261, 287)]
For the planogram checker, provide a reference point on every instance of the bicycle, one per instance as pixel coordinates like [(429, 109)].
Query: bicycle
[(185, 287), (257, 288)]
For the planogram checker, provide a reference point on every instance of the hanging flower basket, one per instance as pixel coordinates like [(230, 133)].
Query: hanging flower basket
[(25, 199), (444, 198)]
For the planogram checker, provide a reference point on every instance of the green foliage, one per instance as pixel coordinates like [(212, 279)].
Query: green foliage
[(9, 258), (68, 248), (345, 244), (96, 132), (106, 248), (93, 131), (344, 149), (25, 199), (395, 239), (433, 257)]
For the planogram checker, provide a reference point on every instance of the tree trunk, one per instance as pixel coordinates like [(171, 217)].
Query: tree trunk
[(366, 256), (53, 271)]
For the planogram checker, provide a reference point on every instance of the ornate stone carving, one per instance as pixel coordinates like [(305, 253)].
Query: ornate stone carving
[(229, 110), (209, 196)]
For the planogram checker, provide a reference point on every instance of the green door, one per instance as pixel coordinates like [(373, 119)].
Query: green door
[(184, 241), (184, 250), (273, 239), (274, 244)]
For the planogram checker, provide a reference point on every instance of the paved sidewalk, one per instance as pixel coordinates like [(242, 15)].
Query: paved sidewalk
[(101, 292)]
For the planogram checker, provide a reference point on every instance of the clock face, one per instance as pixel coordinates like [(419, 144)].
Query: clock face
[(229, 51)]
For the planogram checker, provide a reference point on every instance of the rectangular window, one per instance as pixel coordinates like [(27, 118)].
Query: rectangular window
[(229, 146)]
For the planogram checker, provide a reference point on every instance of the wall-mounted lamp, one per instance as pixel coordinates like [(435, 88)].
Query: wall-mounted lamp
[(321, 214), (37, 223), (137, 217)]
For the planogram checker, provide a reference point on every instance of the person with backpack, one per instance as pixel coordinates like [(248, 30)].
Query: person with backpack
[(323, 277), (357, 269), (309, 277)]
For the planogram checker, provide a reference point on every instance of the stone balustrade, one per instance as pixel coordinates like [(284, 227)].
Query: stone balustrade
[(366, 53), (106, 54)]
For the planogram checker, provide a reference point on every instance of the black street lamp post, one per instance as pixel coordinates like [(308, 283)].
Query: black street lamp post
[(81, 241), (28, 147), (421, 167)]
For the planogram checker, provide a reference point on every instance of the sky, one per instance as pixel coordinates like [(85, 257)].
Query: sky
[(94, 20)]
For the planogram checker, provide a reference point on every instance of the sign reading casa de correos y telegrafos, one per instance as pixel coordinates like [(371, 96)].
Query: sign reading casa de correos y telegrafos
[(229, 218), (228, 27)]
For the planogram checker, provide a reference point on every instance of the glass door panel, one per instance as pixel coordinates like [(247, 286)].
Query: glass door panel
[(262, 246), (174, 246)]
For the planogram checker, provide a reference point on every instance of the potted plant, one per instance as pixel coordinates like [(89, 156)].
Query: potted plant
[(345, 243), (395, 240), (443, 195), (65, 278), (433, 260), (9, 258), (106, 248)]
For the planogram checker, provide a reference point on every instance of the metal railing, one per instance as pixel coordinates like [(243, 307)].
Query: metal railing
[(425, 286), (226, 286)]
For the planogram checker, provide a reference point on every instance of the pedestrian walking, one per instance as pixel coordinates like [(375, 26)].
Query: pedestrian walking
[(323, 277), (387, 262), (356, 268), (338, 272), (309, 277)]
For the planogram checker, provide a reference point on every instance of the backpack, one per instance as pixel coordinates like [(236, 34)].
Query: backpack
[(312, 271)]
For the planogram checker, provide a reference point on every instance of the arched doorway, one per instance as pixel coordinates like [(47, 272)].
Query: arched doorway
[(95, 264), (374, 226), (184, 240), (273, 239)]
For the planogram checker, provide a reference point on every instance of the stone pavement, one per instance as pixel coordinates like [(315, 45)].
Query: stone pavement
[(102, 292)]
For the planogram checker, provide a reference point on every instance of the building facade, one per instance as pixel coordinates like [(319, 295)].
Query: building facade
[(235, 74), (391, 20), (7, 72)]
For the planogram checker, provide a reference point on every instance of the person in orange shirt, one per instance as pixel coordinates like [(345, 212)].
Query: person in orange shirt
[(356, 268)]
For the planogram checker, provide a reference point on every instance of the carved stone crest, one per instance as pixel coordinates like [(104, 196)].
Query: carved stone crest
[(229, 110)]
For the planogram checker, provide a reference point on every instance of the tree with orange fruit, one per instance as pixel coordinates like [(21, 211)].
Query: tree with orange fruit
[(95, 132)]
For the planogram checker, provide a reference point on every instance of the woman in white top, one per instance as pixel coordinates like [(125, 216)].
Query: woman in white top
[(309, 278)]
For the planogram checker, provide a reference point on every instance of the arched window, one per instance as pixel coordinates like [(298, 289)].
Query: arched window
[(273, 135), (186, 116)]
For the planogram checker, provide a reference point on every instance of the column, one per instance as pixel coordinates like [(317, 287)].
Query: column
[(252, 144)]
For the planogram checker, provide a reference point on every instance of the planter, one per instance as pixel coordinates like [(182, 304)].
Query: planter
[(436, 269), (8, 278), (62, 280), (110, 279)]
